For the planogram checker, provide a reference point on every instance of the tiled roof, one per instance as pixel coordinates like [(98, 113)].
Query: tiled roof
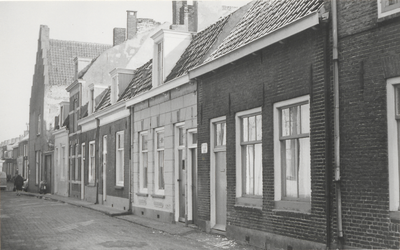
[(197, 49), (141, 81), (264, 17), (105, 100), (61, 56)]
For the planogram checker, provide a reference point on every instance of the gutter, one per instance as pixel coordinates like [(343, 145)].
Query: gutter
[(282, 33), (336, 122)]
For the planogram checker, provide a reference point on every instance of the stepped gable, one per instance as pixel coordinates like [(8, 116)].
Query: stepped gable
[(197, 49), (141, 82), (61, 58), (263, 18)]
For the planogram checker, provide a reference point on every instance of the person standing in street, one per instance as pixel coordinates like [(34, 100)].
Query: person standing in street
[(18, 182)]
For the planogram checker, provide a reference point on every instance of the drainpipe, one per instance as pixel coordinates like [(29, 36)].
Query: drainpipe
[(130, 130), (336, 122), (97, 153)]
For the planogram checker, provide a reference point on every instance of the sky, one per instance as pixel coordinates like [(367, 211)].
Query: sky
[(83, 21)]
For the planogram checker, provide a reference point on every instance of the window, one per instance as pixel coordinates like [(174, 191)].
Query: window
[(388, 7), (120, 159), (76, 162), (393, 116), (159, 161), (92, 168), (37, 159), (39, 124), (83, 155), (143, 161), (92, 104), (160, 66), (292, 152), (249, 156), (63, 162)]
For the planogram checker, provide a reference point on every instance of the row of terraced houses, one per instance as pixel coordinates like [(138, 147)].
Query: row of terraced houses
[(276, 123)]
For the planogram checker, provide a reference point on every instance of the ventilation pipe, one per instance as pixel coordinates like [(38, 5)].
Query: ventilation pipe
[(336, 122)]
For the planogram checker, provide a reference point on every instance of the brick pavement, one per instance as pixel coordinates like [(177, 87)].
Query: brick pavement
[(33, 223)]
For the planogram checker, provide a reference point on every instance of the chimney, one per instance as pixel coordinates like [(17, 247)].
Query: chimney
[(184, 15), (118, 36), (131, 24), (176, 12)]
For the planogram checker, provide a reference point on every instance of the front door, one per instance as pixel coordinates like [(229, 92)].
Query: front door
[(218, 172), (47, 173), (180, 167)]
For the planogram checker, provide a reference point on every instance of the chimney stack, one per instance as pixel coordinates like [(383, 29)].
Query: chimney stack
[(131, 24), (118, 36)]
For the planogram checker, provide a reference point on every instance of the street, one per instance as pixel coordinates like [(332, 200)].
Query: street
[(32, 223)]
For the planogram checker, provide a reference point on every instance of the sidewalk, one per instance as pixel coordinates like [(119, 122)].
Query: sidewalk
[(173, 229)]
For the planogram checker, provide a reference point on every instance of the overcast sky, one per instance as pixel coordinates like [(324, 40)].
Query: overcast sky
[(83, 21)]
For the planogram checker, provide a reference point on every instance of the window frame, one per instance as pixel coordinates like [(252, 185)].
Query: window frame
[(387, 11), (92, 164), (241, 197), (119, 155), (282, 202), (393, 126), (157, 150), (76, 177), (143, 188), (160, 62)]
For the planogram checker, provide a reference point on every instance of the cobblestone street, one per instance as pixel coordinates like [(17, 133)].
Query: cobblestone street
[(32, 223)]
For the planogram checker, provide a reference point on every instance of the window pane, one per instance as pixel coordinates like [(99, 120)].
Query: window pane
[(258, 169), (397, 96), (121, 140), (290, 167), (160, 140), (181, 136), (245, 129), (161, 170), (305, 118), (259, 127), (145, 164), (285, 122), (221, 134), (249, 170), (144, 142), (194, 138), (252, 128), (304, 168), (224, 133)]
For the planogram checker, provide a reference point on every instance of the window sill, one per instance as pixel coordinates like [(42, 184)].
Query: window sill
[(384, 18), (119, 187), (303, 207), (158, 196), (142, 194), (90, 185), (395, 216), (249, 202)]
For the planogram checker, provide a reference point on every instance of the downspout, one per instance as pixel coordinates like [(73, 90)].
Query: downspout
[(336, 122), (130, 130), (97, 146), (328, 134)]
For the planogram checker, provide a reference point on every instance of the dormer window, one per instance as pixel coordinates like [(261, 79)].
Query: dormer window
[(160, 64), (92, 106), (114, 90), (120, 81)]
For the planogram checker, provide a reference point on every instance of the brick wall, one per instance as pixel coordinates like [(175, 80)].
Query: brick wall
[(110, 131), (369, 47), (279, 72)]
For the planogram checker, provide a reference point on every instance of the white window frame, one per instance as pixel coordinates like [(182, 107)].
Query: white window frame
[(76, 172), (255, 200), (390, 11), (37, 162), (142, 188), (92, 164), (157, 151), (277, 157), (160, 62), (119, 159), (393, 144)]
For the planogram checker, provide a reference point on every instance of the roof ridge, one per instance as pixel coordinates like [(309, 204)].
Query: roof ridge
[(88, 43)]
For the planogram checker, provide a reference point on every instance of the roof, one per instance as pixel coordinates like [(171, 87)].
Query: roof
[(84, 110), (263, 18), (85, 69), (61, 58), (141, 81), (105, 99), (195, 53)]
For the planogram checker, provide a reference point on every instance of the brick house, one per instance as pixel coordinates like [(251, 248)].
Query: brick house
[(262, 128), (164, 120), (369, 78), (102, 120), (54, 70)]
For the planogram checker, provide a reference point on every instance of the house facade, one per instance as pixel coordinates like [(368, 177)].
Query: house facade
[(54, 70), (369, 78)]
